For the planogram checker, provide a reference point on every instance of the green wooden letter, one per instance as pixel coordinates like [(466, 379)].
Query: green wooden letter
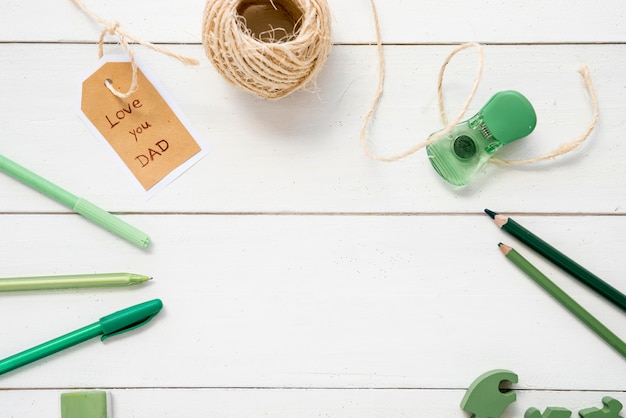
[(484, 399), (611, 409), (550, 412)]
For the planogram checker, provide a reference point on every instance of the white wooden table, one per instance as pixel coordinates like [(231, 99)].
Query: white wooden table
[(299, 277)]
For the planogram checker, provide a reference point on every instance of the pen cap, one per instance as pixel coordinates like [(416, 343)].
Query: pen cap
[(129, 319), (466, 148)]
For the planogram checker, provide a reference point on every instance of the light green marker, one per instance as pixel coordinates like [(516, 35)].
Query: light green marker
[(71, 282), (77, 204)]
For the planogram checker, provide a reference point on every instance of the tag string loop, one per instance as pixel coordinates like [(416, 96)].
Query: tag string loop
[(113, 28)]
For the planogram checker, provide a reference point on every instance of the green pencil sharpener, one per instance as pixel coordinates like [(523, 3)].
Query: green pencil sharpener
[(463, 151)]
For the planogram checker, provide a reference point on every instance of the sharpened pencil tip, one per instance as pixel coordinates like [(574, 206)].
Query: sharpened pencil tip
[(491, 213), (504, 248)]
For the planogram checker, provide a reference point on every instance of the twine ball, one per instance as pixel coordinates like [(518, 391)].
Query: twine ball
[(268, 47)]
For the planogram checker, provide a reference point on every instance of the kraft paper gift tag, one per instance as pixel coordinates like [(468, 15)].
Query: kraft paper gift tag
[(148, 133)]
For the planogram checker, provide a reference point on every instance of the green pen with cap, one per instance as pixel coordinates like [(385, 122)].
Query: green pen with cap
[(108, 326), (79, 205)]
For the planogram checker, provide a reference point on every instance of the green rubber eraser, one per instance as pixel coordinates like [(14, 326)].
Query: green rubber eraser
[(85, 404)]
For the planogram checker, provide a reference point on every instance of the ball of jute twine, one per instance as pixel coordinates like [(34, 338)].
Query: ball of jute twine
[(272, 63)]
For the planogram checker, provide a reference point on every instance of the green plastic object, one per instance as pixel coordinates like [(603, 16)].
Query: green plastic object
[(550, 412), (85, 404), (463, 151), (79, 205), (485, 397), (114, 324), (611, 409), (74, 281)]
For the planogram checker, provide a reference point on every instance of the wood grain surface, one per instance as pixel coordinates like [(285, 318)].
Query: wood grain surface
[(299, 277)]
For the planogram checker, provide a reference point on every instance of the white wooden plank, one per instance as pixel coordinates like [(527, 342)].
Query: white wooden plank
[(302, 154), (300, 278), (293, 403), (314, 301), (428, 21)]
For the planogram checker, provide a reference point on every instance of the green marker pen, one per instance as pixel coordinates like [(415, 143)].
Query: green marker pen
[(117, 323), (77, 204), (463, 151)]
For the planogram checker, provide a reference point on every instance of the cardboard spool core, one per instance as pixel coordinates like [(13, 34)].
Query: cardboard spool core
[(271, 20)]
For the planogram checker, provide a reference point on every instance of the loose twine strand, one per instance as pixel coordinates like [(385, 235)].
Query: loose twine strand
[(561, 150), (113, 28)]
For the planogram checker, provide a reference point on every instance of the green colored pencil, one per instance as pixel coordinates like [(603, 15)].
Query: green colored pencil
[(570, 266), (557, 293), (71, 282)]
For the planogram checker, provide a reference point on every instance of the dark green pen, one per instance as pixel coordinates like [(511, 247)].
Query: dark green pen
[(108, 326)]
